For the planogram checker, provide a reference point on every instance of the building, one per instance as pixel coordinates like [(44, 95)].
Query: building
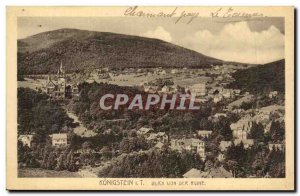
[(224, 145), (204, 133), (227, 93), (75, 90), (274, 146), (218, 115), (59, 139), (169, 89), (217, 98), (240, 134), (221, 157), (26, 140), (174, 71), (197, 89), (165, 89), (192, 173), (241, 128), (163, 72), (216, 172), (144, 131), (159, 145), (150, 89), (158, 137), (247, 142), (192, 144), (59, 88), (236, 92), (238, 111), (273, 94)]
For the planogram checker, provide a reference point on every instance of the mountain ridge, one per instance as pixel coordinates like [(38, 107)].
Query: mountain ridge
[(85, 50)]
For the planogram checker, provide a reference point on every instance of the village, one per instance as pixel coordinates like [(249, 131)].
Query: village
[(207, 85)]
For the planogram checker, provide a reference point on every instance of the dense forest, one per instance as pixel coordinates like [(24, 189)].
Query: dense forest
[(154, 164), (175, 122), (40, 115), (90, 50), (261, 79)]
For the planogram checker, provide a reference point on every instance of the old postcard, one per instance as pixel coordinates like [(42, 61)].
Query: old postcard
[(150, 98)]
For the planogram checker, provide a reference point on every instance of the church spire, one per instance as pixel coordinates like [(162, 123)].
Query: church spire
[(60, 71), (61, 67)]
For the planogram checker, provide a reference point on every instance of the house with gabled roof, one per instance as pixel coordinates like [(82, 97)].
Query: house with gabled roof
[(59, 139)]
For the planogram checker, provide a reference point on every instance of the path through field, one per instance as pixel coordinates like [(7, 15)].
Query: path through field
[(80, 129)]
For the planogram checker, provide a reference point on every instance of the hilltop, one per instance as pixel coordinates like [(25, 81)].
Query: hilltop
[(86, 50), (261, 79)]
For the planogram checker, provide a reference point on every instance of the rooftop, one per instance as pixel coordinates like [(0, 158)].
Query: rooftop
[(59, 136), (192, 173)]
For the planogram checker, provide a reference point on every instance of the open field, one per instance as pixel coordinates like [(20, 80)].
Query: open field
[(30, 83), (183, 79)]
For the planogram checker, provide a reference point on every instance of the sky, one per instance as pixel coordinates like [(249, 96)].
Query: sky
[(257, 41)]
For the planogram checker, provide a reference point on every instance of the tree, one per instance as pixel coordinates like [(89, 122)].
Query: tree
[(106, 152), (232, 166), (276, 163), (60, 163), (277, 131), (241, 156), (259, 164), (247, 105), (257, 132), (222, 127), (86, 145), (205, 124), (52, 160)]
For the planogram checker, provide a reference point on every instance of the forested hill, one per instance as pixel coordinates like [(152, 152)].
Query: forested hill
[(85, 50), (262, 78)]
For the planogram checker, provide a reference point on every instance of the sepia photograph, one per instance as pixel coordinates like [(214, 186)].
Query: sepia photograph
[(188, 97)]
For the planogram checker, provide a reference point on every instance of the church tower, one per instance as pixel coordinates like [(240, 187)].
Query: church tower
[(61, 81), (61, 72)]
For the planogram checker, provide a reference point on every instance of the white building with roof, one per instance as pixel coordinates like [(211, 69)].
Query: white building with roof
[(247, 142), (241, 128), (191, 144), (197, 89), (276, 146), (26, 140), (59, 139), (204, 133)]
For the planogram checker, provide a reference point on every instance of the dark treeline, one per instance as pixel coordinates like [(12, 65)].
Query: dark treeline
[(261, 79)]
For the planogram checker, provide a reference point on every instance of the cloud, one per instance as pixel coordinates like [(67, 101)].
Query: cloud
[(158, 33), (236, 42)]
